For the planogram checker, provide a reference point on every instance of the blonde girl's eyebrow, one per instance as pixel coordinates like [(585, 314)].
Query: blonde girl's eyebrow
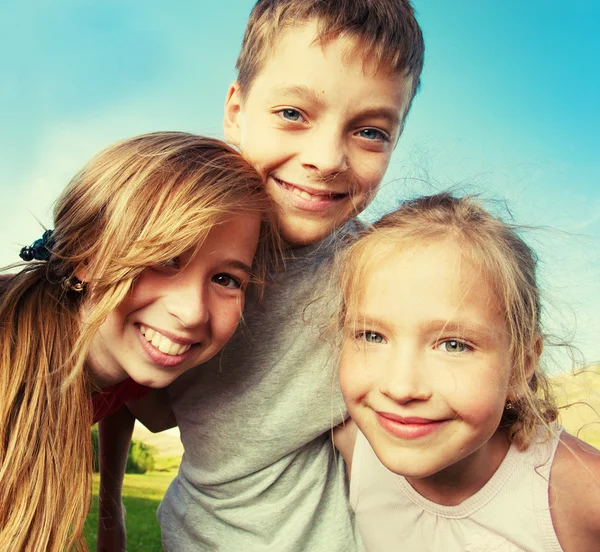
[(234, 263)]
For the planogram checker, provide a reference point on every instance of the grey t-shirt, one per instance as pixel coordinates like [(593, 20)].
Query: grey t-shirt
[(259, 471)]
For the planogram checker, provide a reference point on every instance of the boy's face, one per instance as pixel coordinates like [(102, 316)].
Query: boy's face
[(321, 125)]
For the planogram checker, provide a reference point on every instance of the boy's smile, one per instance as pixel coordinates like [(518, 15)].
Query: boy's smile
[(321, 124)]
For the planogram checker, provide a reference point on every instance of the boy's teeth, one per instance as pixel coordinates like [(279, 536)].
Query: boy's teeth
[(163, 343)]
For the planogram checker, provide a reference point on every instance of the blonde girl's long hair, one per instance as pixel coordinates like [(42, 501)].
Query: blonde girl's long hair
[(508, 263), (139, 203)]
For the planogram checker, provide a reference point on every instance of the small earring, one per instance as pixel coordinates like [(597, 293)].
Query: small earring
[(72, 284), (509, 405)]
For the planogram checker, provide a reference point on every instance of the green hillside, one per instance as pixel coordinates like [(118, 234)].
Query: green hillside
[(581, 391)]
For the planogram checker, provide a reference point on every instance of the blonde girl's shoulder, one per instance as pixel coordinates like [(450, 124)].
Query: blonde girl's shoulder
[(575, 495)]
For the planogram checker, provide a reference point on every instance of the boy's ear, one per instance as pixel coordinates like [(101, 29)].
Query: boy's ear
[(232, 114)]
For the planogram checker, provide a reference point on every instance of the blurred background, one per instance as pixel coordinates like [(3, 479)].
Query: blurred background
[(509, 109)]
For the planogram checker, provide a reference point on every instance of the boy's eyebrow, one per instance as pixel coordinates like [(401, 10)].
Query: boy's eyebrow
[(388, 113), (300, 91)]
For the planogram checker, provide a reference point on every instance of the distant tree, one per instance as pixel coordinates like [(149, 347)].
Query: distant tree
[(139, 460)]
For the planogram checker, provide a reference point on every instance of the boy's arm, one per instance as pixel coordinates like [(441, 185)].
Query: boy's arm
[(114, 436), (344, 437), (154, 410)]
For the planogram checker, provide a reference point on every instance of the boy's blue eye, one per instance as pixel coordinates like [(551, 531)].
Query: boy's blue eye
[(291, 114), (373, 134), (227, 281)]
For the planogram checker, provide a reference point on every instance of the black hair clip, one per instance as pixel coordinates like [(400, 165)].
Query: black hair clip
[(39, 250)]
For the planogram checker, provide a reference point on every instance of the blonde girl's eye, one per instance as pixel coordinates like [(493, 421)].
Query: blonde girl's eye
[(173, 264), (227, 281), (454, 346), (370, 337)]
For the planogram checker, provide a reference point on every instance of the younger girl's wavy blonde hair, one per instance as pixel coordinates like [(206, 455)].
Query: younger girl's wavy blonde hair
[(137, 204), (508, 263)]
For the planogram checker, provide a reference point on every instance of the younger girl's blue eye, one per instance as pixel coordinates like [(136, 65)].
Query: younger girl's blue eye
[(371, 337), (372, 134), (454, 346), (291, 114), (227, 281)]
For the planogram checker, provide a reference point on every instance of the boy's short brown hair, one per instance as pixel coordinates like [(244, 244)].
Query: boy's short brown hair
[(384, 29)]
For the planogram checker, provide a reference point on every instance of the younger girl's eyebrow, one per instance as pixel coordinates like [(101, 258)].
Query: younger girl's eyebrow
[(463, 327)]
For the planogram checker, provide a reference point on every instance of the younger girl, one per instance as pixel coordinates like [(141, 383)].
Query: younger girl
[(143, 277), (456, 448)]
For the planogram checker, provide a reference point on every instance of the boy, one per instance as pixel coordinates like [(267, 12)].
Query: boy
[(322, 93)]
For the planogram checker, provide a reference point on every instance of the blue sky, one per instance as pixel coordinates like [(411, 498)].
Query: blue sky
[(508, 109)]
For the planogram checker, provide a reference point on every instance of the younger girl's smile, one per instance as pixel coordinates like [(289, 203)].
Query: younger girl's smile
[(426, 363)]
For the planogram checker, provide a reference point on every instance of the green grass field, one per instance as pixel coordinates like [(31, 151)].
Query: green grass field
[(141, 495)]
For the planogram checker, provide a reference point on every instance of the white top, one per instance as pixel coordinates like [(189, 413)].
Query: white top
[(511, 513)]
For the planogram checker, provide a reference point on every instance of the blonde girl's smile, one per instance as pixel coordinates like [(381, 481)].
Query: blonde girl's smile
[(175, 346), (180, 313)]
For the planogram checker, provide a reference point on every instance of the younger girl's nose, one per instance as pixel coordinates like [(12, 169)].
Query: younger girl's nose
[(404, 378)]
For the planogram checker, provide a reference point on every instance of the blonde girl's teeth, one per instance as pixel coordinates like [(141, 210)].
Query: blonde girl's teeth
[(165, 345), (173, 349), (150, 333), (156, 340)]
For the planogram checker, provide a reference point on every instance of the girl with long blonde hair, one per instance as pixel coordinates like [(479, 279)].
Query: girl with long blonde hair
[(141, 278), (454, 444)]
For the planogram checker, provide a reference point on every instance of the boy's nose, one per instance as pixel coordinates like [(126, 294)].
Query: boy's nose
[(404, 378), (325, 153), (188, 302)]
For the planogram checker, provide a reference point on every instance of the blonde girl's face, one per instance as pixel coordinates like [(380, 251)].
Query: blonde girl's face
[(425, 364), (179, 314)]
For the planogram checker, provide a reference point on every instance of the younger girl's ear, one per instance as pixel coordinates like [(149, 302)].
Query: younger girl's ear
[(232, 114), (533, 358), (531, 364)]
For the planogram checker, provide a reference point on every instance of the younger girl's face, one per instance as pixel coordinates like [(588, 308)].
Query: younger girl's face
[(180, 314), (425, 364)]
